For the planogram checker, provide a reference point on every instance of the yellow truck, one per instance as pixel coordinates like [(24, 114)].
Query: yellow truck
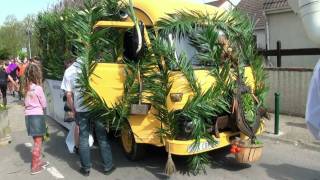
[(143, 128)]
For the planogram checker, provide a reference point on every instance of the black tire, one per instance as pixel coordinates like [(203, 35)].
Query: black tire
[(133, 151)]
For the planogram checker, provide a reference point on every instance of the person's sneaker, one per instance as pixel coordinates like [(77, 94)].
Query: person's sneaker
[(44, 164), (84, 172), (37, 170), (109, 171)]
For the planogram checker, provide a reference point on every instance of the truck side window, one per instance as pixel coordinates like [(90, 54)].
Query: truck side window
[(131, 44)]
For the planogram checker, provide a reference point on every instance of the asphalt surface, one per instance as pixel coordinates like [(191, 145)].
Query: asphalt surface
[(281, 161)]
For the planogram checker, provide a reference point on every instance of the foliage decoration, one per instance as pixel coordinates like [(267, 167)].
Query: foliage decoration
[(225, 48), (236, 50)]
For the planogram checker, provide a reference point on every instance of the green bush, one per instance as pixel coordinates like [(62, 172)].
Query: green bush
[(53, 41), (22, 55), (4, 54)]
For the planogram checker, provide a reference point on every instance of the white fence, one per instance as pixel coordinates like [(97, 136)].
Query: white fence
[(292, 84), (54, 96)]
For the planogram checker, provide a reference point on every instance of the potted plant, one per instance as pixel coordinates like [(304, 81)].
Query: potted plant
[(248, 112), (245, 151), (248, 118)]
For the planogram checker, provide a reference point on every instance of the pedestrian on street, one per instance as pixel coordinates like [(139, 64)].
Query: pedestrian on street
[(75, 100), (21, 73), (13, 70), (35, 104), (313, 103), (4, 78), (69, 114)]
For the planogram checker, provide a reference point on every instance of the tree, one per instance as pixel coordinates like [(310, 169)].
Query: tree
[(28, 27), (12, 35), (4, 54)]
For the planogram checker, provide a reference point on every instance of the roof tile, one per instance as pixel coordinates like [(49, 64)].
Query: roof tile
[(275, 4), (254, 8)]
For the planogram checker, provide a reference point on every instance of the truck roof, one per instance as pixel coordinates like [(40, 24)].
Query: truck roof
[(151, 11)]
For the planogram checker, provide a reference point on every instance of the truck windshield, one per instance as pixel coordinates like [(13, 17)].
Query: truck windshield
[(183, 46)]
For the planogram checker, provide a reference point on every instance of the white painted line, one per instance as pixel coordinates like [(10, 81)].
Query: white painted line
[(28, 144), (55, 173)]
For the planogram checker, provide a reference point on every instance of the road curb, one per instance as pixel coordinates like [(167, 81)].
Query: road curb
[(297, 143)]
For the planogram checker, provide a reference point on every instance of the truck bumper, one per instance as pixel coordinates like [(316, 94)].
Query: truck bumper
[(180, 147), (183, 148)]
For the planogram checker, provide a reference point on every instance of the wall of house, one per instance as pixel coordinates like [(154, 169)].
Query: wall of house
[(287, 27), (293, 85), (261, 38)]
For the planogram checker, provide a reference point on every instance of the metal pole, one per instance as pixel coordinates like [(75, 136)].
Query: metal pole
[(29, 43), (278, 54), (276, 112)]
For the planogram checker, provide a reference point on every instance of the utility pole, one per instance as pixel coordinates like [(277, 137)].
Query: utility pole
[(29, 33)]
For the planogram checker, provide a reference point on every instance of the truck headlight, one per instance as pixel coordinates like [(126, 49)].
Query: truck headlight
[(188, 128)]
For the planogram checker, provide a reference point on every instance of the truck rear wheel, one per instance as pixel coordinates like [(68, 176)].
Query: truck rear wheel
[(133, 150)]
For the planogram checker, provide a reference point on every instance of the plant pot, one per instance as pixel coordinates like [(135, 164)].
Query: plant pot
[(5, 130), (249, 152)]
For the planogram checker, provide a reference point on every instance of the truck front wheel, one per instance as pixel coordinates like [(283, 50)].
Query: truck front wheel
[(133, 150)]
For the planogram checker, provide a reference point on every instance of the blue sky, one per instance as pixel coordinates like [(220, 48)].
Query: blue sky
[(21, 8)]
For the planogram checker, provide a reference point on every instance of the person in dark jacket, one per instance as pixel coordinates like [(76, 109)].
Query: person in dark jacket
[(4, 77)]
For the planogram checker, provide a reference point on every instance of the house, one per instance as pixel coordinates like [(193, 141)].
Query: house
[(254, 8), (276, 21), (283, 24)]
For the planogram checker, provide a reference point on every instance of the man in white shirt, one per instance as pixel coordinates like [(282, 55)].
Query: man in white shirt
[(74, 100)]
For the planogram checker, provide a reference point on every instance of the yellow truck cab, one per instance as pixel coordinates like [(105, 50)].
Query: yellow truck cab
[(109, 78)]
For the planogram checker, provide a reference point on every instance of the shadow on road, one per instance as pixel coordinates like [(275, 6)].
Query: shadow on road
[(316, 143), (300, 125), (154, 160), (24, 152), (288, 171), (57, 148), (221, 158)]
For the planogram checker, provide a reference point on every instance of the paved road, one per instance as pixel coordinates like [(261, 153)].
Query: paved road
[(279, 161)]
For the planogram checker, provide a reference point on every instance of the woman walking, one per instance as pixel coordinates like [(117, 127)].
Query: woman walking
[(4, 79), (35, 104)]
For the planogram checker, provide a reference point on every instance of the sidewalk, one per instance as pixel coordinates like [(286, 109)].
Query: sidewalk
[(293, 130)]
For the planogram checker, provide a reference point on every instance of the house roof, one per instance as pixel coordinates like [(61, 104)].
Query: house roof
[(217, 3), (254, 8), (275, 4)]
